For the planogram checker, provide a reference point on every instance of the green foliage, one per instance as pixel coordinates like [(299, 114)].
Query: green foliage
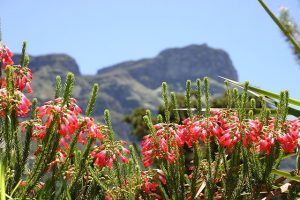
[(207, 155), (291, 27), (139, 128)]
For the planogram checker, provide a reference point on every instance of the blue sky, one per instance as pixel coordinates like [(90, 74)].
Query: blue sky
[(99, 33)]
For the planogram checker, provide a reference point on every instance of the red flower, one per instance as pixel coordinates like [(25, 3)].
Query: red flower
[(18, 100), (162, 145), (91, 129), (149, 183), (289, 140), (265, 144), (5, 56), (151, 180), (67, 115), (23, 77), (288, 143), (108, 153)]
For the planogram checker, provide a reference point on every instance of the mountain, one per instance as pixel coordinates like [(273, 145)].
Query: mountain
[(131, 84)]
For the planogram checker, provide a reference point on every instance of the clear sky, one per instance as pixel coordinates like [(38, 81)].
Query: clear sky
[(99, 33)]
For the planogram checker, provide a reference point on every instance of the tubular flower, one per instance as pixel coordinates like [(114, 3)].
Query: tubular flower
[(5, 56), (18, 101), (38, 130), (289, 140), (67, 115), (222, 125), (192, 130), (253, 132), (162, 145), (105, 155), (91, 130), (151, 180), (23, 77)]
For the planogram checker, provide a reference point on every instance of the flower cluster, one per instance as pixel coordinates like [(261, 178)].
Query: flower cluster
[(90, 129), (161, 145), (226, 128), (17, 101), (14, 101), (67, 115), (108, 153), (5, 56), (289, 138), (150, 182), (22, 77)]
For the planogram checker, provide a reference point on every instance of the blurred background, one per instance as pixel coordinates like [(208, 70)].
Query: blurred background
[(130, 47)]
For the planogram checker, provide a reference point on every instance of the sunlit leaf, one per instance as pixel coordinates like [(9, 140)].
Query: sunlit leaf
[(268, 96), (286, 174)]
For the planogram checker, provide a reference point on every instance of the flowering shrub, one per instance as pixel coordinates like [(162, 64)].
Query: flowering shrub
[(70, 150), (54, 151), (229, 153)]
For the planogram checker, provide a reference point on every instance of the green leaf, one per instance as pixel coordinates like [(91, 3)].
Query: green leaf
[(286, 174), (268, 96), (2, 181)]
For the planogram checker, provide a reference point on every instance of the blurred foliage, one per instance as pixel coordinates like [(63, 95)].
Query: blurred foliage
[(292, 28)]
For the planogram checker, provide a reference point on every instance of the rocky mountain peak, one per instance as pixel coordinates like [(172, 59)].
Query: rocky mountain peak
[(56, 61)]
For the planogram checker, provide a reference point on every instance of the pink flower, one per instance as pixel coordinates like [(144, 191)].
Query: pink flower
[(18, 100), (23, 77), (91, 130), (289, 139), (163, 145), (151, 180), (108, 153), (266, 144), (5, 56), (67, 115)]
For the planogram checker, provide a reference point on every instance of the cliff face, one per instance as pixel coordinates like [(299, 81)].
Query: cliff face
[(177, 65), (131, 84), (60, 62)]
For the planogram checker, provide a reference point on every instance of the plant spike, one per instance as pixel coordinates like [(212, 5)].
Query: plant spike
[(92, 100), (166, 101), (228, 94), (149, 124), (208, 146), (68, 88), (285, 105), (160, 118), (207, 95), (235, 97), (280, 108), (244, 100), (9, 80), (252, 106), (188, 97), (29, 132), (149, 114), (107, 119), (23, 56), (175, 107), (58, 87), (198, 97)]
